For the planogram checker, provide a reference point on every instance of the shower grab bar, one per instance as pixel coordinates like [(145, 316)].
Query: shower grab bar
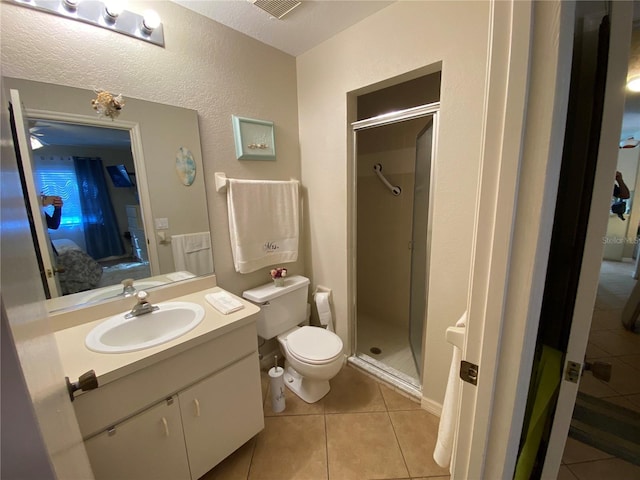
[(396, 190)]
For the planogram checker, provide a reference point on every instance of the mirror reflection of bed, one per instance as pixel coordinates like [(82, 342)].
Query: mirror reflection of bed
[(82, 272)]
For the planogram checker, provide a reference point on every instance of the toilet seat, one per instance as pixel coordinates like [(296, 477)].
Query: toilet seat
[(314, 345)]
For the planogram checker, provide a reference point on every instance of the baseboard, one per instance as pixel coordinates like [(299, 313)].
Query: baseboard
[(432, 407)]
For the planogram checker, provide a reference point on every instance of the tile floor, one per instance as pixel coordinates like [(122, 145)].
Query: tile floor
[(361, 430), (608, 342), (364, 430)]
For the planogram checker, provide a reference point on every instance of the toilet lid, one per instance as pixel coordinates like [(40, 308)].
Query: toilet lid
[(314, 345)]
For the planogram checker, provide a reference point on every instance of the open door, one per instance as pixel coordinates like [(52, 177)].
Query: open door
[(44, 248), (525, 122), (587, 269), (420, 241)]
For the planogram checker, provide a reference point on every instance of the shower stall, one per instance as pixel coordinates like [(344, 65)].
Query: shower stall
[(392, 202)]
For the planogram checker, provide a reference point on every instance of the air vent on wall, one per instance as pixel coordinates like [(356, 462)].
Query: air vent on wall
[(276, 8)]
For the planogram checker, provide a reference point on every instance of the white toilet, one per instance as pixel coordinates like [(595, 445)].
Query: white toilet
[(314, 355)]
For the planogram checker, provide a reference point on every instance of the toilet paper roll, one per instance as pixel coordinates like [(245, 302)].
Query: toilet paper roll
[(324, 310), (276, 375)]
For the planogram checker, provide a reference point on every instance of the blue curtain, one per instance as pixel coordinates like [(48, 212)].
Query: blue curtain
[(101, 231)]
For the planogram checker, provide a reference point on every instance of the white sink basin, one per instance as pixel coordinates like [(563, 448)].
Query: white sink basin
[(120, 335), (116, 290)]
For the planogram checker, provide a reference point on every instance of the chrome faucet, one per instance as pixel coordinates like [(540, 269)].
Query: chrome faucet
[(142, 307), (128, 289)]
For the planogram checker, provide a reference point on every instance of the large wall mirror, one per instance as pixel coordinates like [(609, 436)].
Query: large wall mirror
[(134, 205)]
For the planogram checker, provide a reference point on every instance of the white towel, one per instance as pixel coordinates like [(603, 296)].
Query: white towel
[(177, 276), (449, 415), (192, 252), (263, 223)]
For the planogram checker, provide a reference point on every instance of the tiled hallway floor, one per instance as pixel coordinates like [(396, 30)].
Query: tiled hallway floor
[(361, 430), (608, 342)]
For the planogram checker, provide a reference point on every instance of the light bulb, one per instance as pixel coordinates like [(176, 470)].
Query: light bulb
[(634, 84), (70, 5), (113, 8), (150, 21)]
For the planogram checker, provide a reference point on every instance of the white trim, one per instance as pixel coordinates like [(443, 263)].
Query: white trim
[(506, 90), (33, 196), (395, 117), (542, 157), (138, 160), (431, 406)]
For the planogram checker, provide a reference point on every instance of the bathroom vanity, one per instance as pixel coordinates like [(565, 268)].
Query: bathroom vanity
[(175, 410)]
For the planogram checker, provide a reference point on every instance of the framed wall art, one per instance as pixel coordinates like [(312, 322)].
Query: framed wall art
[(255, 139)]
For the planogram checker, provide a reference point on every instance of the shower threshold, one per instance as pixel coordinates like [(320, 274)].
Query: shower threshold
[(389, 375)]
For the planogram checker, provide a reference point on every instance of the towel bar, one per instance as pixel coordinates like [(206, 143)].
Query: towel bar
[(221, 181), (455, 336)]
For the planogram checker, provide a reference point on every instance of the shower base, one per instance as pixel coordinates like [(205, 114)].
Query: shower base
[(386, 342), (386, 374)]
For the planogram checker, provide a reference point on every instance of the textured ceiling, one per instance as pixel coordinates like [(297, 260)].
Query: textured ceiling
[(303, 28)]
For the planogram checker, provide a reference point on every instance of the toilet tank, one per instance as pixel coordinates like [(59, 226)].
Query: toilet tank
[(282, 308)]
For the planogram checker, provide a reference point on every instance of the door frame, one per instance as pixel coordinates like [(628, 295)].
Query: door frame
[(526, 102), (41, 241), (431, 109), (509, 270)]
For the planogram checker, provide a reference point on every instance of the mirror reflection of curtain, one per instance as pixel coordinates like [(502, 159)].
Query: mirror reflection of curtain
[(101, 232)]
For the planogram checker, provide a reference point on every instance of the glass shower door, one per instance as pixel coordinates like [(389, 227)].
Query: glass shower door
[(420, 242)]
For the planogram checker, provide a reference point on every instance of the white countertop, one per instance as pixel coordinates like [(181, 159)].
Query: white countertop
[(84, 298), (77, 359)]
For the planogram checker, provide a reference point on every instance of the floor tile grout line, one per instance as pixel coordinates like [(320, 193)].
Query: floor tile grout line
[(253, 451), (395, 434), (326, 444)]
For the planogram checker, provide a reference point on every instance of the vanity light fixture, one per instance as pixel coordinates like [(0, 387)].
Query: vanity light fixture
[(109, 14)]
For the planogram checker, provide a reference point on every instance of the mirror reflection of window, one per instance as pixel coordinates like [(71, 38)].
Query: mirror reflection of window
[(57, 176)]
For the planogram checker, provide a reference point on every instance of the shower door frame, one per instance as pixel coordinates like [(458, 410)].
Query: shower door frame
[(431, 109)]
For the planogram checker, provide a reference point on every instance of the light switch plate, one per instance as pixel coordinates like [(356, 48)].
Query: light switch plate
[(162, 223)]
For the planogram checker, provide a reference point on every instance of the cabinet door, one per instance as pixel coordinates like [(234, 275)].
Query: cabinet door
[(149, 445), (221, 413)]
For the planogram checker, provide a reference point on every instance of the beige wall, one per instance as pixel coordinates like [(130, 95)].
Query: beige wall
[(404, 37), (205, 66)]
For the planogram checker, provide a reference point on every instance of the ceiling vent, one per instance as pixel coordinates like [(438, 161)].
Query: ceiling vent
[(276, 8)]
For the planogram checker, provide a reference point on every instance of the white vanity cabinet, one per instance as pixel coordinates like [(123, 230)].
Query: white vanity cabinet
[(220, 413), (179, 417), (148, 445)]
